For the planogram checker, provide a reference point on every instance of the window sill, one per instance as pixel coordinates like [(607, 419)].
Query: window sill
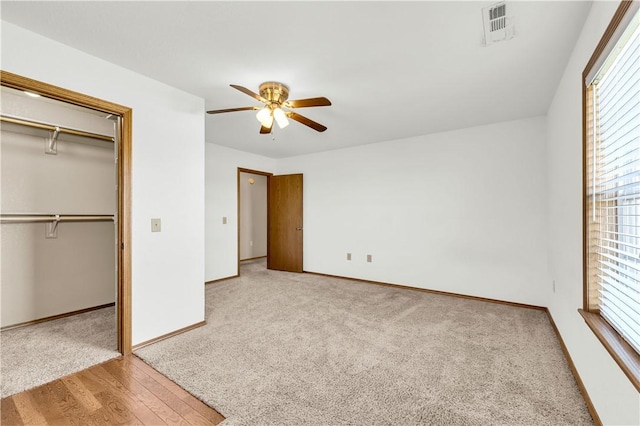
[(626, 357)]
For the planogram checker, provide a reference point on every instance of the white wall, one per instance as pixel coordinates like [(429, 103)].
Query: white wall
[(167, 179), (460, 211), (221, 188), (253, 216), (42, 277), (615, 399)]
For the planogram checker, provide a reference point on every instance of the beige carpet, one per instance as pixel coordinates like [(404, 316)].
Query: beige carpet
[(40, 353), (300, 349)]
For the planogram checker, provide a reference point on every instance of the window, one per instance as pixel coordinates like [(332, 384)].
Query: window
[(612, 189)]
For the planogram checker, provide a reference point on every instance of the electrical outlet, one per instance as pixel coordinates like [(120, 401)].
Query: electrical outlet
[(156, 225), (348, 256), (224, 220), (369, 258), (250, 243), (554, 286)]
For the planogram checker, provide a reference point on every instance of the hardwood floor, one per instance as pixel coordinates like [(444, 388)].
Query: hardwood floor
[(121, 391)]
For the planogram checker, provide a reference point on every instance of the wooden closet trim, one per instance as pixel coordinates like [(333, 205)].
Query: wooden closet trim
[(123, 301)]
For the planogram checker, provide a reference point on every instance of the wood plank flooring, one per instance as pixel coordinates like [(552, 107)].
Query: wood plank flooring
[(121, 391)]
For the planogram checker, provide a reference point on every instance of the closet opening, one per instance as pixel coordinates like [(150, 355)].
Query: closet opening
[(55, 218)]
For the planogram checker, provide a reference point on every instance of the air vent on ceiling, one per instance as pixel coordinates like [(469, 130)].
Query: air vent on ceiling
[(497, 25)]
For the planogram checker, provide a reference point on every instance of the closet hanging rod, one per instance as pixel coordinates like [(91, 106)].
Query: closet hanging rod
[(54, 218), (44, 126)]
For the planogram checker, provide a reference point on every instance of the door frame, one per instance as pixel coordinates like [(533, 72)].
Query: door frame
[(123, 299), (255, 172)]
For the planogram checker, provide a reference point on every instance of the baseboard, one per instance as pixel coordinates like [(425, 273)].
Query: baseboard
[(253, 258), (426, 290), (574, 371), (55, 317), (168, 335), (221, 279)]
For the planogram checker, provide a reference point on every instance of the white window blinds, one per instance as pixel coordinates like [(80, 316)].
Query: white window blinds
[(613, 174)]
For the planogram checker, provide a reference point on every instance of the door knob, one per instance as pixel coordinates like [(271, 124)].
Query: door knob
[(299, 228)]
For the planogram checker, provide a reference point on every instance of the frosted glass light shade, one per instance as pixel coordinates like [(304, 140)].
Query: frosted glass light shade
[(264, 117), (281, 118)]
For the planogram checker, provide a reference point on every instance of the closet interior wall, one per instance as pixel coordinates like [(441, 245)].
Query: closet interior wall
[(253, 215), (43, 275)]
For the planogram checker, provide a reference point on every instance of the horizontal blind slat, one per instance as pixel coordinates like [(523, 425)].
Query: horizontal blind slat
[(630, 174), (633, 266), (623, 293), (627, 134), (608, 79), (622, 317), (621, 197), (624, 100), (630, 162), (629, 186), (630, 283), (609, 102), (623, 274), (627, 332), (623, 254), (624, 243)]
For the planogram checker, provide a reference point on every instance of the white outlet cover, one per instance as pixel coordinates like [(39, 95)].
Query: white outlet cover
[(156, 225)]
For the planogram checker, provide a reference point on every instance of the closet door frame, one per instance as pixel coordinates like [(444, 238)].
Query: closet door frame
[(123, 300)]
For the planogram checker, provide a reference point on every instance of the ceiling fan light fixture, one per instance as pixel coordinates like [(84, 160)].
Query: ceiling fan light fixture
[(264, 117), (274, 96), (281, 118)]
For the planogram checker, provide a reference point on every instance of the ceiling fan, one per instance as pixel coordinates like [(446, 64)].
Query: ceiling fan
[(274, 96)]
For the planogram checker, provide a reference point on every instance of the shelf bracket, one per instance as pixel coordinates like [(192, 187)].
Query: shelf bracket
[(51, 228), (52, 142)]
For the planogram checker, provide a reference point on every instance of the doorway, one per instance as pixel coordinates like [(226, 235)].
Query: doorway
[(123, 214), (252, 215), (284, 228), (252, 208)]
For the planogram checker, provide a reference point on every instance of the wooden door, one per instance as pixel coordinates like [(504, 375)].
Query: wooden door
[(284, 228)]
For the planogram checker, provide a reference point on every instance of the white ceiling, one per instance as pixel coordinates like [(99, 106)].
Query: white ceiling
[(391, 69)]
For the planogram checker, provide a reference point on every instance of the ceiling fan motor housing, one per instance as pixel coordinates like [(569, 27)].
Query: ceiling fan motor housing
[(274, 92)]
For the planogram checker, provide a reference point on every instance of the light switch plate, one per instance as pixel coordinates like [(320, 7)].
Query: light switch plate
[(224, 220), (156, 225), (369, 258)]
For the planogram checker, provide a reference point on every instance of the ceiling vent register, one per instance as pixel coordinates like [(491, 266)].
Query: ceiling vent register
[(497, 25)]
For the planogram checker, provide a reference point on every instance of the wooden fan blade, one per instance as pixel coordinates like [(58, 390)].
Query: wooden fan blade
[(219, 111), (265, 130), (306, 121), (249, 92), (310, 102)]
